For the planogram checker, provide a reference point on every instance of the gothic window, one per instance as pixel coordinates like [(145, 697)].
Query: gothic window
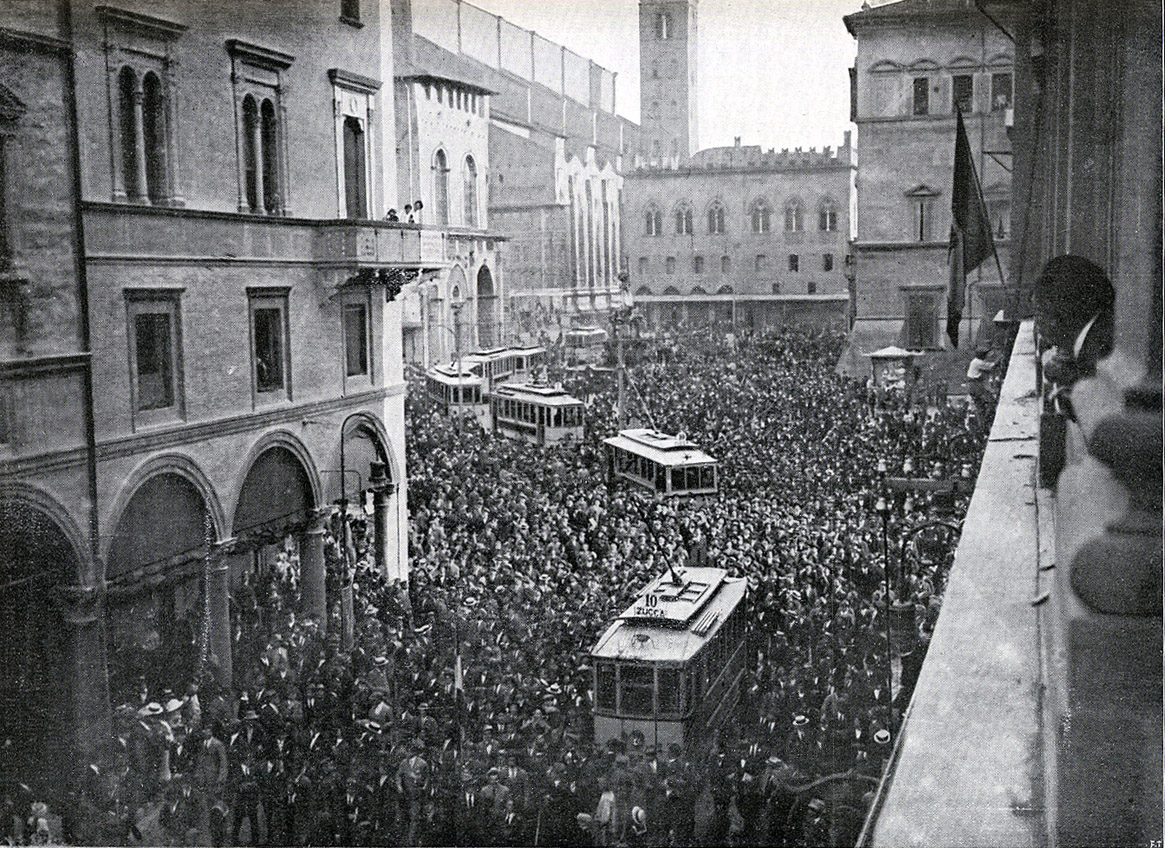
[(761, 216), (670, 265), (683, 220), (794, 222), (653, 221), (794, 262), (716, 219), (441, 186), (470, 178), (827, 216), (725, 264), (698, 264)]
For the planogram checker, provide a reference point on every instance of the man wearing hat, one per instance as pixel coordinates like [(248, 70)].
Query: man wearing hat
[(979, 381)]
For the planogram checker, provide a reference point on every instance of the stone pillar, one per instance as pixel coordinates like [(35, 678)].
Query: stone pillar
[(219, 592), (82, 611), (313, 593)]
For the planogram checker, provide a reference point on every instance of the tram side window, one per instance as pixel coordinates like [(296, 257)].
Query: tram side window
[(677, 479), (693, 478), (605, 686), (671, 691), (635, 685), (660, 478)]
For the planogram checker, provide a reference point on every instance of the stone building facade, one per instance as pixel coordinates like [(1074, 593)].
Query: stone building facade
[(741, 235), (244, 336), (53, 701), (555, 160), (916, 60)]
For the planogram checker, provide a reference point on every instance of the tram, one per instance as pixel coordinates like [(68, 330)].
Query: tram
[(542, 414), (671, 665), (585, 346), (499, 364), (458, 391), (669, 466)]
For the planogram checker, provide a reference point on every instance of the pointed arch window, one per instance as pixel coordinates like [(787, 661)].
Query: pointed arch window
[(827, 216), (683, 220), (441, 186), (761, 216), (794, 218), (716, 219), (653, 221), (257, 80), (470, 179)]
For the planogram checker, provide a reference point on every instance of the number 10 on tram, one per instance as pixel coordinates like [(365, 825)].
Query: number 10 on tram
[(671, 665)]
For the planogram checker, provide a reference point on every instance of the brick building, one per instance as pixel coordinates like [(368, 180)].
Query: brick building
[(916, 60), (555, 159), (743, 236), (729, 234)]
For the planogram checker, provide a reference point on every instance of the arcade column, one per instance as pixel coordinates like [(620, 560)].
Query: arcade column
[(218, 590), (384, 517), (313, 593), (81, 609)]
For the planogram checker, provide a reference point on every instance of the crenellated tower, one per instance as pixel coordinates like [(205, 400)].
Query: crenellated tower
[(667, 88)]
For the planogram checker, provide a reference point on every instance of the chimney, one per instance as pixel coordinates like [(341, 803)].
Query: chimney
[(736, 141)]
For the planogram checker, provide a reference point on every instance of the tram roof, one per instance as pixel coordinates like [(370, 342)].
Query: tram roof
[(660, 448), (546, 395), (682, 620), (448, 375), (527, 351)]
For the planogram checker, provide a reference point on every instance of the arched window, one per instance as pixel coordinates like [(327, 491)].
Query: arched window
[(761, 263), (653, 109), (827, 216), (653, 220), (716, 219), (642, 266), (698, 264), (251, 132), (761, 216), (725, 264), (268, 135), (643, 290), (154, 136), (725, 289), (663, 26), (793, 217), (683, 220), (655, 148), (127, 84), (470, 178), (670, 265), (441, 186)]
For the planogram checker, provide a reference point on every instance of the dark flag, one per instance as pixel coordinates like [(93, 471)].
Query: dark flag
[(970, 228)]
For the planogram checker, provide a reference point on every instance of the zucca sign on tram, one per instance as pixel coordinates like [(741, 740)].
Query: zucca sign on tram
[(671, 665)]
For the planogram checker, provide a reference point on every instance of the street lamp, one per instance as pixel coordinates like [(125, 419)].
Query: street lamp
[(622, 313)]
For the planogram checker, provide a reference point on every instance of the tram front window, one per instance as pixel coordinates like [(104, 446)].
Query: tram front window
[(677, 479), (605, 690), (671, 692), (636, 683), (707, 477)]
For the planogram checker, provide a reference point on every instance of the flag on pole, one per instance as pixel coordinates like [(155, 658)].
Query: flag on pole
[(971, 241)]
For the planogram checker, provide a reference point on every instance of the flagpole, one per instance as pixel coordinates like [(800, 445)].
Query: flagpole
[(994, 252)]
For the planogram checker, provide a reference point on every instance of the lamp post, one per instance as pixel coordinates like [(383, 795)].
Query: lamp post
[(620, 315), (882, 507), (851, 277), (347, 611)]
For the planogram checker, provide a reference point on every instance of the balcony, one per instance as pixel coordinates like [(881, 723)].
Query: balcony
[(1036, 719), (133, 233)]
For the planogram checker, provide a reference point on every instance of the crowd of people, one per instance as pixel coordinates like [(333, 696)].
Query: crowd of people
[(460, 714)]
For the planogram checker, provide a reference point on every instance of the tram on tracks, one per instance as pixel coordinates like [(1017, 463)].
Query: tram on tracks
[(458, 391), (668, 466), (671, 666), (499, 364), (542, 414), (585, 346)]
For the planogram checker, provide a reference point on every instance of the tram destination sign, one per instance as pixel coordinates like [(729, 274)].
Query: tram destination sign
[(675, 601)]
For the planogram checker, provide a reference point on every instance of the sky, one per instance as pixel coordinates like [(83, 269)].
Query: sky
[(775, 72)]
